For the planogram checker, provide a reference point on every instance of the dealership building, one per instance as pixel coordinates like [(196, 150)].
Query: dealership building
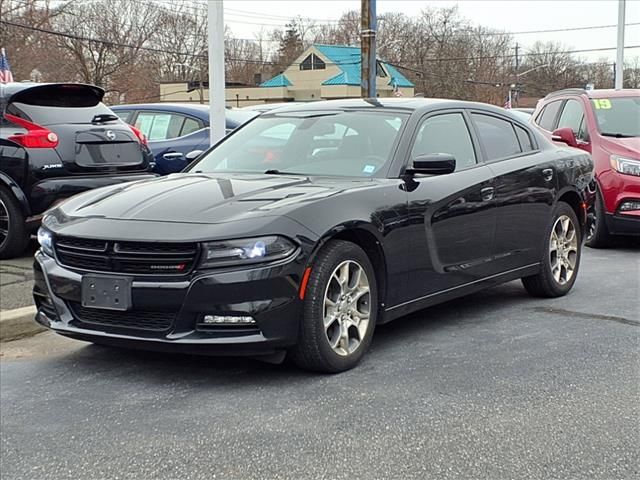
[(321, 72)]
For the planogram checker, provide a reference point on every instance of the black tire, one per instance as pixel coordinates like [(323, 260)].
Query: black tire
[(15, 241), (313, 351), (600, 237), (544, 284)]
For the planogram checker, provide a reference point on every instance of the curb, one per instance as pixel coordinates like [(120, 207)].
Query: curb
[(18, 323)]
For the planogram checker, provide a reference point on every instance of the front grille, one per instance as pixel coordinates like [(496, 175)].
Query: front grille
[(135, 319), (147, 258)]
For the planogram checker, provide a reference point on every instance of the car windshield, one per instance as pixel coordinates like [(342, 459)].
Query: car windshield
[(353, 143), (617, 117)]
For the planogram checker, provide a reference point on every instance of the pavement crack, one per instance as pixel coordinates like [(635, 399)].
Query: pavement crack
[(589, 316)]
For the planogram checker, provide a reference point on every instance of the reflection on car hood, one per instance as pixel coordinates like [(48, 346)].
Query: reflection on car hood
[(203, 198), (623, 146)]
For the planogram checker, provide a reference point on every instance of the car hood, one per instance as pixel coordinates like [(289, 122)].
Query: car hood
[(203, 198), (623, 146)]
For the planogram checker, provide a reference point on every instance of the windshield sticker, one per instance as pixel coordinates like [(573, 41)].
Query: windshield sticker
[(369, 169), (602, 103)]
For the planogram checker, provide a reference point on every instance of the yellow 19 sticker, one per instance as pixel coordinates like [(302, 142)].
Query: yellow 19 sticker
[(601, 103)]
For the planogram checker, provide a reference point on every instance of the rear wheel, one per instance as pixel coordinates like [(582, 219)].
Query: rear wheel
[(598, 235), (14, 236), (560, 258), (340, 310)]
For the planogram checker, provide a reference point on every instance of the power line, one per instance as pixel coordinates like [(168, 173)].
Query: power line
[(149, 49), (202, 8)]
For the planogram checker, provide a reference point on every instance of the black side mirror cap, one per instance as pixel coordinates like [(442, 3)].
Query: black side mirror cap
[(433, 164)]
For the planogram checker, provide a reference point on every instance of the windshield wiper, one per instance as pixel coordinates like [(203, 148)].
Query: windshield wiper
[(617, 135), (274, 171)]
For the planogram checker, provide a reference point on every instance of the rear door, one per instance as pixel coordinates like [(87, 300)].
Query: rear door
[(171, 132), (91, 139), (526, 184)]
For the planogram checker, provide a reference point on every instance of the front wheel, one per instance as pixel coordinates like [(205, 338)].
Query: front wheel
[(598, 235), (560, 257), (340, 310)]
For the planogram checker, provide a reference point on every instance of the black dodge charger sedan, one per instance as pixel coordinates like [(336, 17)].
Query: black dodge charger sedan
[(307, 227)]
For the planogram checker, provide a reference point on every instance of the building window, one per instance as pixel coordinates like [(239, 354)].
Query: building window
[(312, 62)]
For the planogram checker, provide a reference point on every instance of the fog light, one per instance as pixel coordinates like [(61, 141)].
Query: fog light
[(228, 320), (629, 205)]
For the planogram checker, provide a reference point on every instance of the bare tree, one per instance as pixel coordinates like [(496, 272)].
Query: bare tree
[(122, 28)]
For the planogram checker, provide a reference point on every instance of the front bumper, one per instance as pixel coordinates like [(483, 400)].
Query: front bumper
[(623, 224), (268, 293)]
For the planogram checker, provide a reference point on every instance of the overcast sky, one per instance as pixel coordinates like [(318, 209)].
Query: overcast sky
[(245, 17)]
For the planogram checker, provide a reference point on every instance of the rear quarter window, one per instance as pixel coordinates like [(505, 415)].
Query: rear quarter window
[(497, 136)]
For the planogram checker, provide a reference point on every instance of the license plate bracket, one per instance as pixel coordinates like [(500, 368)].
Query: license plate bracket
[(107, 292)]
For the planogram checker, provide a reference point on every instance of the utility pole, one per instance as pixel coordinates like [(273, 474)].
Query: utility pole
[(516, 75), (619, 68), (216, 70), (368, 49)]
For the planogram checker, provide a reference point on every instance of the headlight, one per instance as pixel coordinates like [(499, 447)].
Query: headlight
[(246, 251), (45, 239), (626, 166)]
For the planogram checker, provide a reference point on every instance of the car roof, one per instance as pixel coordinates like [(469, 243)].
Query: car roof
[(612, 93), (393, 103), (599, 93), (193, 108)]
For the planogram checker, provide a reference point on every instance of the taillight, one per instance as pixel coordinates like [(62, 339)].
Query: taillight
[(141, 136), (35, 137)]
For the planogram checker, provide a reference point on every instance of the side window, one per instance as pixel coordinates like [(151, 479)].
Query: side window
[(190, 125), (125, 115), (446, 133), (546, 118), (525, 139), (497, 136), (159, 126), (573, 117)]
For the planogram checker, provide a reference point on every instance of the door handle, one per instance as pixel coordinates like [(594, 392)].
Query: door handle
[(547, 174), (487, 194)]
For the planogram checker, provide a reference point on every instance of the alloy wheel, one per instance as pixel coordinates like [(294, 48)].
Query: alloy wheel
[(347, 307), (4, 223), (563, 250)]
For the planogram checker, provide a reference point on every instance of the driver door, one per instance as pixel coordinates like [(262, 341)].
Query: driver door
[(453, 215)]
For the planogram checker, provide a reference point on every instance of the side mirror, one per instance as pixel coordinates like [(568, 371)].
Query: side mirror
[(192, 155), (433, 164), (565, 135)]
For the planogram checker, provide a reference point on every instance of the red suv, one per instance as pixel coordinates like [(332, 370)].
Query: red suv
[(605, 123)]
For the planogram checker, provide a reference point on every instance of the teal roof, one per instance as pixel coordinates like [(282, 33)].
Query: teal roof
[(348, 60), (396, 77), (277, 81)]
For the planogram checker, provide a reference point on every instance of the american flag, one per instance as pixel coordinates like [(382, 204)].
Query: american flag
[(5, 70), (507, 103)]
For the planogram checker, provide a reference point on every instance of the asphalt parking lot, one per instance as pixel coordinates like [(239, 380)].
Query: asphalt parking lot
[(497, 385)]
